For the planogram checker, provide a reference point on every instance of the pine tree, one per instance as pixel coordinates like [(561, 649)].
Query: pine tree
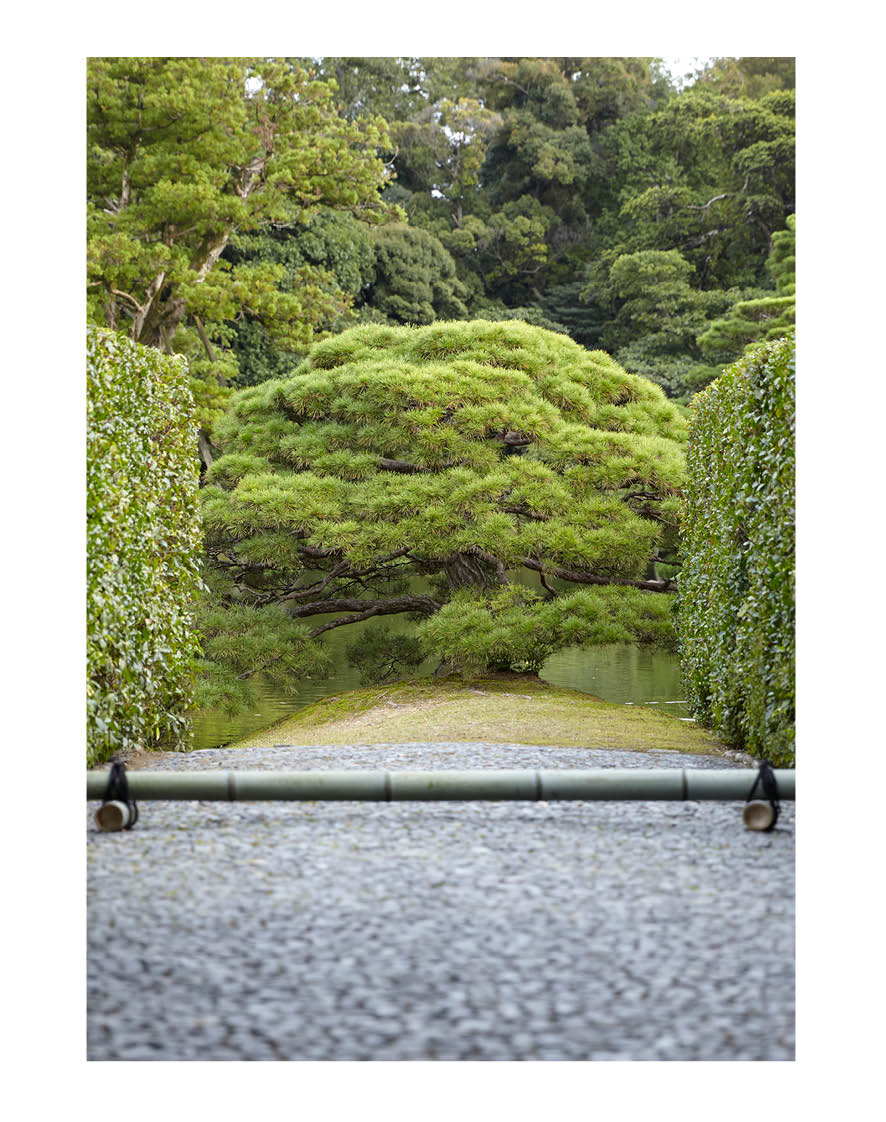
[(183, 154), (469, 453)]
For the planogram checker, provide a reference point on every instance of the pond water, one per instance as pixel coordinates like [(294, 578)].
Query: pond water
[(633, 675)]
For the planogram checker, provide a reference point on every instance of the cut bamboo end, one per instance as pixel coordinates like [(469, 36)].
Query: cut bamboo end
[(758, 815), (112, 816)]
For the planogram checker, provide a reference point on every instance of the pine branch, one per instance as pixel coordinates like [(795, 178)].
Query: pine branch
[(338, 571), (490, 559), (424, 604), (666, 585)]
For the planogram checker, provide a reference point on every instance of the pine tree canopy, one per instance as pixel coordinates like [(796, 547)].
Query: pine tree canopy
[(531, 482)]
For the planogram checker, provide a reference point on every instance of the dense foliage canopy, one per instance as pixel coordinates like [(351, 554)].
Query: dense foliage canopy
[(736, 616), (182, 154), (501, 462), (539, 177), (143, 542), (234, 204)]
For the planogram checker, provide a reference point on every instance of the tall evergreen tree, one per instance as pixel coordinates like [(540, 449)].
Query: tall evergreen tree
[(182, 154)]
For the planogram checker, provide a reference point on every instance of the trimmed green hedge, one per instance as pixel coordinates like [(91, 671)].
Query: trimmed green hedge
[(736, 598), (143, 540)]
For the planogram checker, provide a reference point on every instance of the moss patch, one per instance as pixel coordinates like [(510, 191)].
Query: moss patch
[(499, 709)]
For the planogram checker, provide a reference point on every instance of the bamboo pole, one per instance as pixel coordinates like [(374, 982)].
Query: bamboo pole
[(601, 784)]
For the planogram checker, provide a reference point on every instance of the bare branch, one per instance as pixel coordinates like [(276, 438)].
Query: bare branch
[(715, 199), (642, 495), (524, 512), (390, 606), (135, 303), (594, 578), (204, 339), (151, 295), (340, 571), (552, 594), (309, 590), (366, 609), (665, 561), (693, 243), (387, 464)]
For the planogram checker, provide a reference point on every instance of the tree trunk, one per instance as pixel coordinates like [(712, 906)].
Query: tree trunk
[(147, 310), (474, 569), (156, 324), (204, 338), (205, 450)]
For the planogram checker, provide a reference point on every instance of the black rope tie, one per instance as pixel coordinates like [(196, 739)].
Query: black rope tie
[(765, 779), (117, 791)]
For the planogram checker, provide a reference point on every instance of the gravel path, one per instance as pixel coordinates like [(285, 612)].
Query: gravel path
[(451, 931)]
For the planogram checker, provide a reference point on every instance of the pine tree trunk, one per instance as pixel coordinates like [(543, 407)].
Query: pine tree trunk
[(468, 570)]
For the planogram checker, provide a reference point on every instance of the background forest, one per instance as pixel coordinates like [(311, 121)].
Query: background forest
[(591, 196)]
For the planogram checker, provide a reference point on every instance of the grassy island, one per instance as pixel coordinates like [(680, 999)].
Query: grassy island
[(499, 708)]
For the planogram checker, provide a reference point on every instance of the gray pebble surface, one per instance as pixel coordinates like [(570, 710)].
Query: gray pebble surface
[(449, 931)]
